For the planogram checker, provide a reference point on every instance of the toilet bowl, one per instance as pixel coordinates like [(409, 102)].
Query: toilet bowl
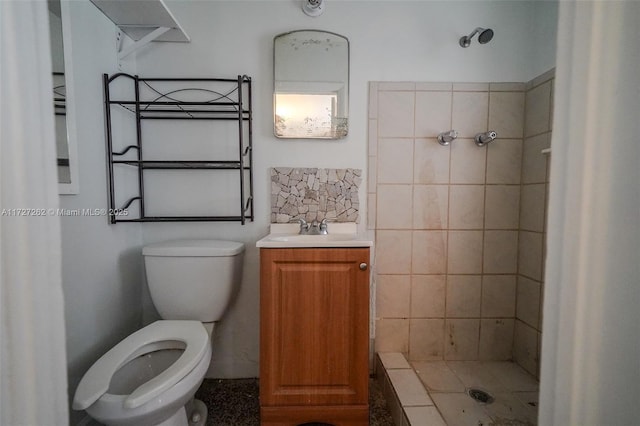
[(149, 377)]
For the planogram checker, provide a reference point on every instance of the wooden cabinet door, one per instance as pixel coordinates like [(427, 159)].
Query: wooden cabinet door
[(314, 329)]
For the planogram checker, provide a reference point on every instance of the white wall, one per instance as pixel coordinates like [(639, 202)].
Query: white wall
[(390, 41), (541, 37), (101, 263)]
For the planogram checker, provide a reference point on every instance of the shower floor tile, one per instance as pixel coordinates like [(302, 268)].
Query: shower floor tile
[(438, 377), (515, 392)]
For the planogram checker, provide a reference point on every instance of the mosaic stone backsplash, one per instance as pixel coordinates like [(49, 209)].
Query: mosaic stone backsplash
[(315, 194)]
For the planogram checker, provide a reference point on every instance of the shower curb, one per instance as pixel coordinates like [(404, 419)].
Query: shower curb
[(408, 400)]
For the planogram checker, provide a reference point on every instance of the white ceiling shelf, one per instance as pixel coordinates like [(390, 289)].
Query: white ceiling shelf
[(143, 21)]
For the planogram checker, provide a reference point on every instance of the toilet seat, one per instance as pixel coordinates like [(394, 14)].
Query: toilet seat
[(95, 382)]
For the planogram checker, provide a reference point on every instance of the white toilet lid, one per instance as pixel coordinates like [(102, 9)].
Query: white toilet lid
[(95, 382)]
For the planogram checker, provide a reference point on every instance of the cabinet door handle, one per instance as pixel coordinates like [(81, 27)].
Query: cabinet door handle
[(363, 266)]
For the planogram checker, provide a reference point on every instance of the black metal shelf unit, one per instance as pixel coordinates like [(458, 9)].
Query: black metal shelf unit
[(162, 99)]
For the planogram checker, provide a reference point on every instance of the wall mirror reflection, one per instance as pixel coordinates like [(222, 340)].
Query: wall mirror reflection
[(65, 143), (311, 85)]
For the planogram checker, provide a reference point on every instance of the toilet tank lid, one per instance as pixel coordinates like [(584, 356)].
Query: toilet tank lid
[(194, 248)]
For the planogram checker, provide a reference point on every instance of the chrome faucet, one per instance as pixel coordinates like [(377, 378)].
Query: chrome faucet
[(313, 228), (318, 228), (304, 227)]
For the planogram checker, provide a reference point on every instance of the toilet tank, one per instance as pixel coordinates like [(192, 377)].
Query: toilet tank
[(193, 279)]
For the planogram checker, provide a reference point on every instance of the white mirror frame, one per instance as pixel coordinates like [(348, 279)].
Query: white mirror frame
[(73, 187)]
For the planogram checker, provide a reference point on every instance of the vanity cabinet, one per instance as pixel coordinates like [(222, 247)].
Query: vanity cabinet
[(314, 334)]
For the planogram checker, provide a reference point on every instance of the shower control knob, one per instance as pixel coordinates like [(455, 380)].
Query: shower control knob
[(363, 266)]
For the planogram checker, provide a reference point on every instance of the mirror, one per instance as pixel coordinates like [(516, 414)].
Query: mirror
[(311, 85), (61, 69)]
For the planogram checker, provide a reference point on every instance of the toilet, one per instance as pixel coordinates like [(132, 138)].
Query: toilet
[(150, 377)]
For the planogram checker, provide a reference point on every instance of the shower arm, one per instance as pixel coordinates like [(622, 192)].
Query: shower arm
[(474, 32)]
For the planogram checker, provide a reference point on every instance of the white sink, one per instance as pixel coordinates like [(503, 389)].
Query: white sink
[(283, 237), (312, 238)]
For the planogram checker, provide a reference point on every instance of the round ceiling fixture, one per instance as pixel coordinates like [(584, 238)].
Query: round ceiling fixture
[(313, 7)]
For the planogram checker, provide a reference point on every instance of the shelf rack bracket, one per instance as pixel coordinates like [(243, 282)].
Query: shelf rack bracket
[(126, 51)]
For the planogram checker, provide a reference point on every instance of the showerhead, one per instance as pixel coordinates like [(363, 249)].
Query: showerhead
[(484, 36)]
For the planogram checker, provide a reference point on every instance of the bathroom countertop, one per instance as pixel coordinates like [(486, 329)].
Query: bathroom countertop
[(286, 235)]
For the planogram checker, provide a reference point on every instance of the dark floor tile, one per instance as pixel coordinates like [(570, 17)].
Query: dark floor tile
[(236, 403)]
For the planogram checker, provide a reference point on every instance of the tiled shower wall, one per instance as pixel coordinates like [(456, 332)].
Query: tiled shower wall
[(446, 218), (533, 224)]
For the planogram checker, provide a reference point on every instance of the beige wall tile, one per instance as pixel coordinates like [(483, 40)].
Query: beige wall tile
[(395, 208), (538, 106), (431, 162), (395, 114), (436, 87), (373, 137), (395, 160), (461, 339), (371, 211), (552, 103), (532, 211), (427, 296), (500, 252), (496, 339), (393, 252), (373, 99), (463, 296), (433, 113), (430, 206), (392, 335), (469, 114), (466, 206), (471, 87), (498, 296), (468, 162), (372, 174), (502, 207), (504, 158), (429, 252), (525, 347), (427, 339), (541, 310), (465, 252), (507, 87), (506, 114), (534, 164), (530, 255), (528, 301), (392, 296)]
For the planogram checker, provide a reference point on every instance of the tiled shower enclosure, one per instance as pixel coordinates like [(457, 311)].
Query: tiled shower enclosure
[(459, 228)]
